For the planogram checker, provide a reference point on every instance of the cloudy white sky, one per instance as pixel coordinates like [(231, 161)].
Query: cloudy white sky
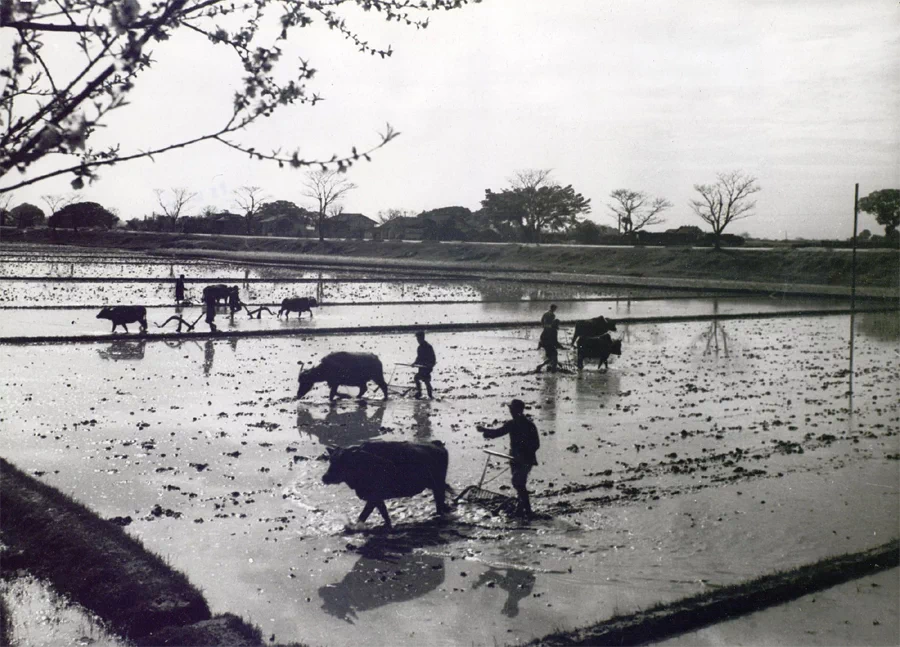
[(646, 95)]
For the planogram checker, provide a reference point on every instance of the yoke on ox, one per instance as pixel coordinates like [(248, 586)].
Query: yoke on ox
[(592, 328), (342, 368), (379, 470)]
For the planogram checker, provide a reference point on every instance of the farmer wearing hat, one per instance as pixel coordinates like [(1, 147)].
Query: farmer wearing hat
[(425, 361), (523, 445)]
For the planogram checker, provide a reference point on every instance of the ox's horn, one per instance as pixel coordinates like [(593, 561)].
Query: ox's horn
[(302, 364)]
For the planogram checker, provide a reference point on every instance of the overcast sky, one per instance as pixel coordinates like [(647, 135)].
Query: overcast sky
[(652, 96)]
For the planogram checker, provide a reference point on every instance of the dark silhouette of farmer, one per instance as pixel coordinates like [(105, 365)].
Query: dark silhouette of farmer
[(550, 343), (234, 300), (549, 317), (210, 306), (425, 361), (179, 288), (523, 445)]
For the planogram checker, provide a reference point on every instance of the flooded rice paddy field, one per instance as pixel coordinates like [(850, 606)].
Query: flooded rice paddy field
[(29, 293), (69, 322), (709, 453)]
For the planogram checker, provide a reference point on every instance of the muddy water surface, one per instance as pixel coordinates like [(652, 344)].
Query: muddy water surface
[(61, 322), (707, 454)]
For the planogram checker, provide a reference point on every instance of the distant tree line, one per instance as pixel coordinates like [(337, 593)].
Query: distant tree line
[(533, 208)]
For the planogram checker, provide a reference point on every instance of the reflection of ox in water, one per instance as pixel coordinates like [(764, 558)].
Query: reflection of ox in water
[(388, 572), (298, 305), (343, 427), (123, 349), (343, 369), (122, 315), (381, 470), (599, 348), (592, 328)]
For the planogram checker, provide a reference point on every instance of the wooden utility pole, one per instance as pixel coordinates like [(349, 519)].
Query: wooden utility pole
[(853, 292)]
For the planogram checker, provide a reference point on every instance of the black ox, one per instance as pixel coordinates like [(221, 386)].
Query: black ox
[(298, 305), (592, 328), (219, 292), (381, 470), (342, 368), (599, 348), (122, 315)]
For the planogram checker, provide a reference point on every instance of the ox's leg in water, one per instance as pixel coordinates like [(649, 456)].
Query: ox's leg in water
[(366, 511), (334, 392), (362, 389), (382, 508), (440, 500), (383, 386)]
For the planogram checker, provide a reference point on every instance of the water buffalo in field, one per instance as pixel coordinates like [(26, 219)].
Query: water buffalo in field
[(379, 470), (122, 315), (219, 292), (599, 348), (342, 368), (298, 305), (592, 328)]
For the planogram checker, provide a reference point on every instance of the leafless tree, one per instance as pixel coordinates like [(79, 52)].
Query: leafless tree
[(173, 207), (727, 200), (392, 214), (51, 106), (5, 201), (249, 199), (55, 202), (327, 188), (634, 210), (530, 179)]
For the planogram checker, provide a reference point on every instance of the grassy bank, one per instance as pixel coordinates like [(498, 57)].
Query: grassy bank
[(91, 560), (875, 268), (667, 620)]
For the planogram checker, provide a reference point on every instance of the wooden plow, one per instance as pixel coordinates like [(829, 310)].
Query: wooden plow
[(396, 389), (489, 499)]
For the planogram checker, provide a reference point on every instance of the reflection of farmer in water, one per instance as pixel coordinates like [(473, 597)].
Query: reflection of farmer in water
[(179, 289), (422, 418), (517, 583), (209, 352)]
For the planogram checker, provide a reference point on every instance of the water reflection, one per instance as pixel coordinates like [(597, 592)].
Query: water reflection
[(715, 338), (881, 326), (597, 384), (124, 349), (209, 354), (389, 571), (344, 424), (517, 583), (422, 418)]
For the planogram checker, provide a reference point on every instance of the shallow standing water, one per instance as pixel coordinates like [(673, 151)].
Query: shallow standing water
[(708, 453)]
